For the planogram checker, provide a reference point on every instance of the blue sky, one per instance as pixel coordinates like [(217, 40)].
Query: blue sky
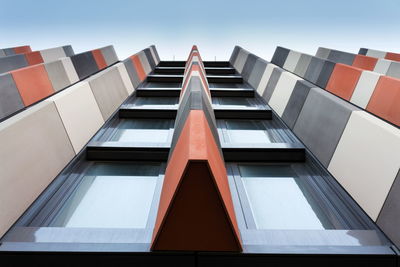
[(214, 25)]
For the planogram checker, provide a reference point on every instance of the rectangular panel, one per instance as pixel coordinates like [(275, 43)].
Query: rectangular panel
[(282, 92), (52, 54), (10, 99)]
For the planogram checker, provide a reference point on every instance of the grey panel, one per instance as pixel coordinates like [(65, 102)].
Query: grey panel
[(57, 74), (234, 55), (248, 66), (389, 217), (14, 62), (363, 51), (68, 50), (257, 72), (341, 57), (85, 64), (325, 73), (2, 54), (296, 102), (273, 80), (150, 58), (280, 56), (10, 99), (323, 52), (9, 51), (302, 65), (132, 72), (109, 55), (321, 123), (394, 70), (314, 69)]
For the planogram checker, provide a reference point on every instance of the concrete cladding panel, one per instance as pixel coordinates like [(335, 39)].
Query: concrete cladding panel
[(150, 58), (109, 54), (10, 99), (79, 113), (394, 70), (321, 123), (52, 54), (234, 55), (292, 60), (257, 72), (382, 66), (34, 58), (296, 102), (69, 52), (2, 54), (241, 60), (389, 217), (376, 53), (248, 66), (84, 64), (314, 69), (280, 55), (322, 52), (343, 80), (272, 82), (385, 100), (145, 62), (366, 160), (61, 73), (341, 57), (130, 68), (125, 77), (302, 65), (364, 89), (155, 54), (364, 62), (266, 76), (12, 62), (34, 149), (283, 90), (109, 90), (363, 51)]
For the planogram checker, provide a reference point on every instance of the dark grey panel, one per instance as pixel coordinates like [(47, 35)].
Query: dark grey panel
[(10, 99), (314, 69), (363, 51), (273, 80), (280, 56), (325, 73), (234, 55), (321, 123), (109, 55), (14, 62), (248, 66), (132, 72), (394, 70), (302, 65), (9, 51), (68, 50), (257, 72), (389, 217), (296, 102), (150, 58), (341, 57), (85, 64)]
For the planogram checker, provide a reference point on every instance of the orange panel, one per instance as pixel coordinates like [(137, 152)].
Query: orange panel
[(100, 61), (138, 66), (34, 58), (22, 49), (364, 62), (392, 56), (343, 80), (33, 83), (385, 101), (196, 210)]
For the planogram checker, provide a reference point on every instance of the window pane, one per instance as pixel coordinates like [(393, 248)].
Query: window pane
[(111, 196), (143, 130), (247, 131), (141, 101), (279, 200), (234, 101)]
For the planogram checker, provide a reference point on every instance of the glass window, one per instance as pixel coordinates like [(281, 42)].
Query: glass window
[(279, 199), (142, 130), (155, 101), (236, 102), (247, 131), (111, 195)]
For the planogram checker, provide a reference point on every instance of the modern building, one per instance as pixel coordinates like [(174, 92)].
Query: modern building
[(144, 162)]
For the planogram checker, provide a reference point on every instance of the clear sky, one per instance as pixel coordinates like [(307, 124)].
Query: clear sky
[(214, 25)]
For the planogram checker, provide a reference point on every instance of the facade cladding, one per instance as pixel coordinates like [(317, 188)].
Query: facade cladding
[(144, 162)]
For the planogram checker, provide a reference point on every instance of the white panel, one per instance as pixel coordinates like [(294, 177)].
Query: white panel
[(265, 78), (364, 88), (145, 62), (292, 60), (382, 66), (323, 52), (241, 60), (283, 91), (366, 160), (52, 54), (376, 53), (125, 77)]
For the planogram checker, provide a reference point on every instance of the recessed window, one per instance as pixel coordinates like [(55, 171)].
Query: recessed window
[(143, 130), (237, 102), (111, 195), (247, 131), (155, 101), (279, 199)]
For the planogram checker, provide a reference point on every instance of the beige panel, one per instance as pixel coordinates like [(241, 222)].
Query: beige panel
[(366, 160), (283, 91), (109, 90), (34, 149), (265, 78), (52, 54), (125, 77), (79, 112), (69, 68)]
